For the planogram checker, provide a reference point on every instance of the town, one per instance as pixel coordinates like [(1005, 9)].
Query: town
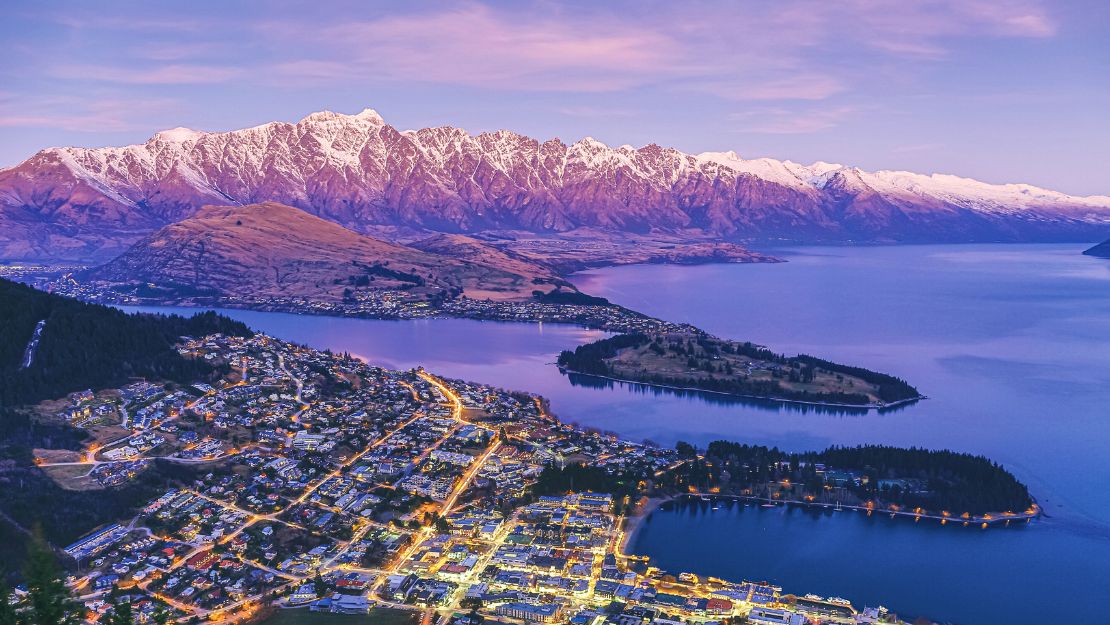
[(372, 304), (322, 482)]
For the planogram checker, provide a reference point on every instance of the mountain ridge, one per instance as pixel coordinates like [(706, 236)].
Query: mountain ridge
[(1100, 250), (366, 175)]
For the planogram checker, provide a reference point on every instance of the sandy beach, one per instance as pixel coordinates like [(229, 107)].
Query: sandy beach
[(633, 523)]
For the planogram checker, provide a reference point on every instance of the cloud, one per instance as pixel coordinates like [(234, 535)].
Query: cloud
[(84, 114), (96, 20), (475, 45), (594, 111), (171, 74), (917, 147), (785, 121), (793, 87), (800, 50), (795, 50), (927, 30)]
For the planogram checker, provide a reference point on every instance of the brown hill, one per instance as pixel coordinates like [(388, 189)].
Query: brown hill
[(271, 250)]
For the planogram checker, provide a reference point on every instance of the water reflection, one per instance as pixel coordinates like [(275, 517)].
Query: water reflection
[(587, 380)]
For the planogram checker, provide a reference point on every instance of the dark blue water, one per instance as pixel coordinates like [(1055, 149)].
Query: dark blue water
[(1011, 344), (990, 577)]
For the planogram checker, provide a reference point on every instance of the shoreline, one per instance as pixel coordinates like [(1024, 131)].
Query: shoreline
[(694, 389), (438, 314), (635, 523)]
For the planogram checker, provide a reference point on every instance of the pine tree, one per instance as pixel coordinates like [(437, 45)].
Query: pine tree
[(122, 614), (8, 615), (161, 615), (49, 600)]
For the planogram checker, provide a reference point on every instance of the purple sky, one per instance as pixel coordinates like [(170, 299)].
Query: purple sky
[(1001, 90)]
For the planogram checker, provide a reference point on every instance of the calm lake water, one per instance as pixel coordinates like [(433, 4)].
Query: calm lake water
[(1011, 343)]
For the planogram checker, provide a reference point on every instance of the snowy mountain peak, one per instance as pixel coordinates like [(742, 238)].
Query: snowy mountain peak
[(178, 135), (361, 172), (370, 115)]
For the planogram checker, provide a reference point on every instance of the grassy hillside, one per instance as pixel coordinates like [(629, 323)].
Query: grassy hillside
[(270, 250), (90, 346)]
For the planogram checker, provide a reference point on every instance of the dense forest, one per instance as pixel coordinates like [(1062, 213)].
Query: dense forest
[(382, 270), (560, 296), (583, 477), (91, 346), (702, 353), (909, 477)]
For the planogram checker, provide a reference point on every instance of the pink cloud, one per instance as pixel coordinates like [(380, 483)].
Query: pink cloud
[(476, 45), (741, 51), (97, 114), (782, 121), (801, 50), (171, 74), (927, 29), (795, 86)]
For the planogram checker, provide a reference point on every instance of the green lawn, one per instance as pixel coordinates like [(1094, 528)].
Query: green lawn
[(377, 616)]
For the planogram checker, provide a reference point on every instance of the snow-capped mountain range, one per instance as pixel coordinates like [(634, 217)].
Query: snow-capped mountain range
[(360, 172)]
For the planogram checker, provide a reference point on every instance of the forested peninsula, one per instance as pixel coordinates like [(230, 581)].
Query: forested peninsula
[(698, 361)]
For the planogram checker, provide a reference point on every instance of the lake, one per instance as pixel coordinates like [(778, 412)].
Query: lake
[(1011, 343)]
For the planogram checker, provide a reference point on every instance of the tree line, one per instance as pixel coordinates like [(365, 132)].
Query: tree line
[(889, 388), (590, 358)]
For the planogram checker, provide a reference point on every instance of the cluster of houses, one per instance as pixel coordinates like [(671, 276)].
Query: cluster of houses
[(86, 409), (146, 404), (189, 517), (210, 580), (611, 318), (109, 474)]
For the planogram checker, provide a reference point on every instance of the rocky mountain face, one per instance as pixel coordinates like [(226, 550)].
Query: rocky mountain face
[(360, 172), (270, 250)]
